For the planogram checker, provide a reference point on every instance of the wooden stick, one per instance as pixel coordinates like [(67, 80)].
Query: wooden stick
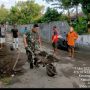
[(16, 61)]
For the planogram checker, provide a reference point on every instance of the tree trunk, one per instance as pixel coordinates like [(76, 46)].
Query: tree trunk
[(69, 18), (77, 15), (88, 25), (77, 12)]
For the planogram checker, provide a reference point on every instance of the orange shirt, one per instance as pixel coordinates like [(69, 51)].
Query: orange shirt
[(55, 38), (71, 37)]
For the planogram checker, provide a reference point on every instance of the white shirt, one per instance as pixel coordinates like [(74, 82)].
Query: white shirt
[(3, 31)]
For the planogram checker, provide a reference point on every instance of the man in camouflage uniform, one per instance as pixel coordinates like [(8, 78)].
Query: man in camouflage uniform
[(31, 43)]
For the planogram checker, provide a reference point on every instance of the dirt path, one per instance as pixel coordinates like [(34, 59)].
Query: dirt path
[(66, 77)]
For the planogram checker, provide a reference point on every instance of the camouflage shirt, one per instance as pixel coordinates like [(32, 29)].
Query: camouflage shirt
[(32, 40)]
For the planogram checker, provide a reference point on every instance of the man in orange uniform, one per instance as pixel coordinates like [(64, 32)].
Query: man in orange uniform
[(71, 38)]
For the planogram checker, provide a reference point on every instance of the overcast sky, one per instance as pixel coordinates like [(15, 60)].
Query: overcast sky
[(9, 3)]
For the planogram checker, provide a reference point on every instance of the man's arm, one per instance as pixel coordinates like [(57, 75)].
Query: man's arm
[(66, 37), (76, 36), (39, 38), (17, 32), (25, 41)]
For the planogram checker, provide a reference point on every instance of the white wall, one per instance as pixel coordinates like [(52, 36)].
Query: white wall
[(84, 40)]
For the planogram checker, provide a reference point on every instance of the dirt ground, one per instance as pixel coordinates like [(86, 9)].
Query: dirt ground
[(67, 71)]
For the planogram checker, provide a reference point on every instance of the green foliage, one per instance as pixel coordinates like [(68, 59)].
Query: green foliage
[(75, 2), (81, 25), (22, 13), (3, 14), (50, 15), (6, 80), (85, 6), (25, 12), (30, 12), (67, 4)]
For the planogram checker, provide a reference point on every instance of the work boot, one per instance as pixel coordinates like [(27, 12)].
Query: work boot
[(36, 64), (43, 65), (31, 65), (35, 61)]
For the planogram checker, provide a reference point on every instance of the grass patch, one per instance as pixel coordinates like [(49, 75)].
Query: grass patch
[(6, 80)]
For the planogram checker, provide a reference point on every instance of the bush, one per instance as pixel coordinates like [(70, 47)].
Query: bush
[(80, 25)]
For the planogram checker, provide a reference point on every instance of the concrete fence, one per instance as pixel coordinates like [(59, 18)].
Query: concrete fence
[(46, 29), (83, 41)]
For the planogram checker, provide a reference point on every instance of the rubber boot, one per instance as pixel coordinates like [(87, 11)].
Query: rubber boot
[(31, 65), (35, 62)]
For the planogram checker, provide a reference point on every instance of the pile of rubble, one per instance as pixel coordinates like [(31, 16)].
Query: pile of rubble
[(12, 61), (9, 61)]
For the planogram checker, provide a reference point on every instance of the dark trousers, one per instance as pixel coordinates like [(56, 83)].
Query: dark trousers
[(31, 59)]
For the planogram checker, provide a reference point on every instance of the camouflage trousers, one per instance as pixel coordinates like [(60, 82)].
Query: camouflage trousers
[(31, 57)]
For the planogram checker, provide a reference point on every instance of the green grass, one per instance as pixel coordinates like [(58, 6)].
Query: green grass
[(6, 80)]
